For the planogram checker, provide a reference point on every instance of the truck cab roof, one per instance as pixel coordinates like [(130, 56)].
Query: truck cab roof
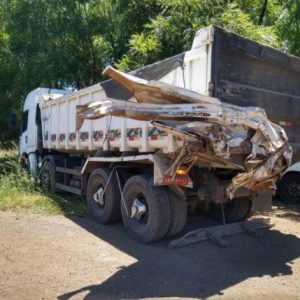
[(40, 95)]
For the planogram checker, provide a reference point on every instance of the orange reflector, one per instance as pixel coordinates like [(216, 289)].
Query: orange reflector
[(181, 171)]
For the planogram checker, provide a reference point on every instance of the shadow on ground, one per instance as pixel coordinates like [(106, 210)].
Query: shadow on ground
[(291, 212), (199, 271)]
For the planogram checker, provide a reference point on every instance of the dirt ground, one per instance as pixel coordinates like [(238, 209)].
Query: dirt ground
[(75, 258)]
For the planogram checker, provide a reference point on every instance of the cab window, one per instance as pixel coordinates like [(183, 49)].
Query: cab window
[(24, 121)]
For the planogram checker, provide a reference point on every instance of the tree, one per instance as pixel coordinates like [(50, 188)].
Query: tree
[(263, 11), (289, 26), (173, 29)]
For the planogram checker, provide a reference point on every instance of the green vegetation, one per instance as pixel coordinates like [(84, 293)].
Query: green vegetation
[(19, 192)]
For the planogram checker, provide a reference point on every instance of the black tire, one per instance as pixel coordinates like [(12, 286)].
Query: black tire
[(154, 224), (24, 163), (288, 189), (47, 177), (235, 210), (109, 211), (178, 208)]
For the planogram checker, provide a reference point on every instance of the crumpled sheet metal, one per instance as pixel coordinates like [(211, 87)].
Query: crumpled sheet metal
[(220, 130), (154, 91)]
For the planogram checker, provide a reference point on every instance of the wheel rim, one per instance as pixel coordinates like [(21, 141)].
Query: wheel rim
[(98, 194), (139, 209), (293, 189)]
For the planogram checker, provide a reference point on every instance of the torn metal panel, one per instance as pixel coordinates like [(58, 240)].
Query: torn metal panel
[(154, 91), (148, 111), (213, 133), (216, 233), (155, 71)]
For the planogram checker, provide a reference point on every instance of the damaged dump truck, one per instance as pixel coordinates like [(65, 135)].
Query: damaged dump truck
[(146, 145)]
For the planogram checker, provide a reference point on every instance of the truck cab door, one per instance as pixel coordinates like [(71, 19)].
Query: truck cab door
[(28, 134), (23, 132)]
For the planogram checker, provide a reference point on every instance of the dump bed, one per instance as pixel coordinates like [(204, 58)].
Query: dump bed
[(238, 71), (189, 70), (220, 64)]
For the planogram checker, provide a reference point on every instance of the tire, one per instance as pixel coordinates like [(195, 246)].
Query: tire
[(155, 222), (47, 177), (288, 189), (235, 210), (178, 208), (109, 210)]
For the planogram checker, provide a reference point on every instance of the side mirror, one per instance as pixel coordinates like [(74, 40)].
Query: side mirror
[(12, 120)]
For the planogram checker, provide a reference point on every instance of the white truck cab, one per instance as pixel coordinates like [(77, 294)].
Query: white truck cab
[(31, 127)]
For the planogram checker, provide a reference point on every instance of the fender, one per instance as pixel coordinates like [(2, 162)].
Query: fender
[(29, 162), (50, 158), (55, 159)]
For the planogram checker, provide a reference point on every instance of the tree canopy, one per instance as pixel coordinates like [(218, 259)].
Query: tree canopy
[(67, 43)]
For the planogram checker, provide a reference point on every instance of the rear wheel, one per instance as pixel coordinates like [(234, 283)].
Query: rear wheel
[(146, 209), (103, 196), (178, 213), (288, 188), (234, 210)]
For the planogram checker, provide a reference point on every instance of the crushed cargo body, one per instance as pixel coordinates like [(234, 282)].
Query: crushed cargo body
[(213, 133)]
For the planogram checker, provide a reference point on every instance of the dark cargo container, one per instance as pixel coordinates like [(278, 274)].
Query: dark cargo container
[(248, 73)]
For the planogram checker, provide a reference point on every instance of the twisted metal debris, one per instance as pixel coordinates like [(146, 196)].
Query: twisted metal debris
[(215, 134)]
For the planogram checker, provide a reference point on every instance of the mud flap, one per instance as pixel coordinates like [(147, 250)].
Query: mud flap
[(262, 202)]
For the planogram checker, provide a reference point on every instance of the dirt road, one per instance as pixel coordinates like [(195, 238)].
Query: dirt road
[(56, 257)]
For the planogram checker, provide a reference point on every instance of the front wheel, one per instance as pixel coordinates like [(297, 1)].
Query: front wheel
[(288, 189), (146, 209)]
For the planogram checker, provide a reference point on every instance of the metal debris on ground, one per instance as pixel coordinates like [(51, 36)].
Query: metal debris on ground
[(216, 233)]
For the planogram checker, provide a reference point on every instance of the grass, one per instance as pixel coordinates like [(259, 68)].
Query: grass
[(19, 192)]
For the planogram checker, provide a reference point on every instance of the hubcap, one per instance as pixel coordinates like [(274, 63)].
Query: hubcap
[(293, 189), (138, 209), (99, 196)]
